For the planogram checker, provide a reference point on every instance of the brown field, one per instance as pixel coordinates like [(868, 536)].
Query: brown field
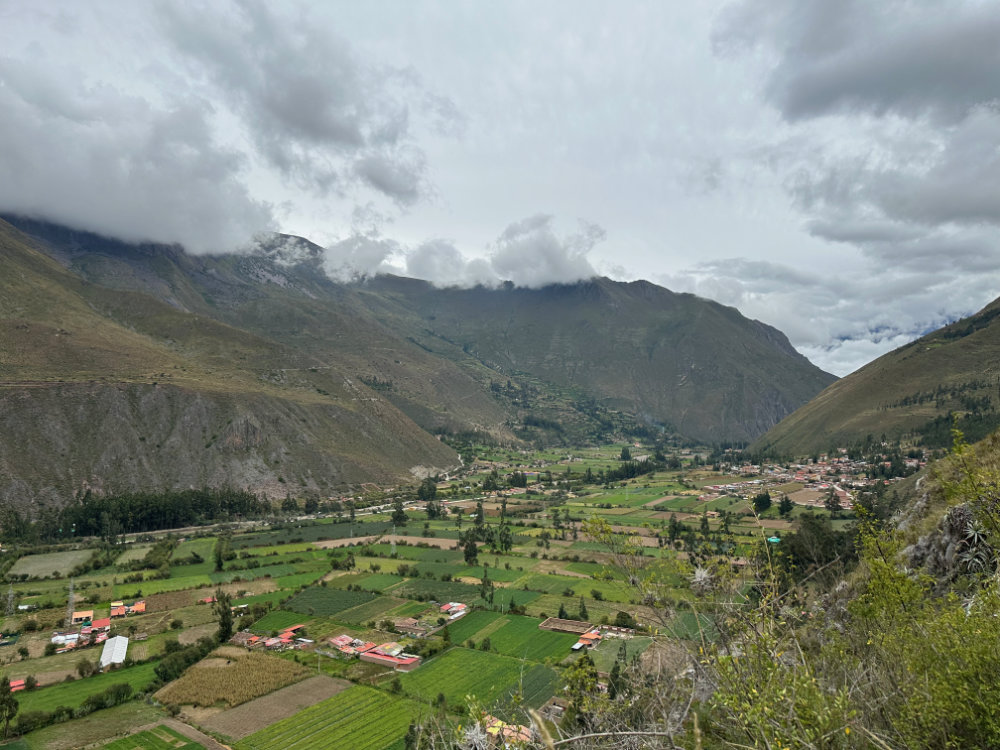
[(191, 635), (171, 600), (680, 516), (258, 714), (233, 676)]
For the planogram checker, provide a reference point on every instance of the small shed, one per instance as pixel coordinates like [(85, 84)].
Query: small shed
[(114, 651)]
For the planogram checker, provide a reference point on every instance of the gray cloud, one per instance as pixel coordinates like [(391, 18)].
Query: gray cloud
[(887, 57), (839, 320), (313, 109), (530, 254), (99, 159), (361, 255), (442, 263)]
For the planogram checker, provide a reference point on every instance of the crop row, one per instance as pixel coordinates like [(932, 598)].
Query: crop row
[(461, 672), (321, 600), (360, 718)]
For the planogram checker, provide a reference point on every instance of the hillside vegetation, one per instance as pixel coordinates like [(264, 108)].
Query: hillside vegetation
[(916, 391)]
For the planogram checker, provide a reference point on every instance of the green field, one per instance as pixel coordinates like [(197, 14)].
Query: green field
[(359, 718), (372, 610), (157, 738), (323, 600), (278, 620), (441, 591), (522, 638), (379, 581), (464, 628), (460, 673), (607, 652), (311, 533), (39, 566), (532, 689), (512, 635), (73, 693)]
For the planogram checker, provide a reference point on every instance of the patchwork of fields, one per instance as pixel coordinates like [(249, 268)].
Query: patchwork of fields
[(320, 575)]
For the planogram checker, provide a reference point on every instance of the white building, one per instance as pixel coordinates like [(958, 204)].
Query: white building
[(114, 651)]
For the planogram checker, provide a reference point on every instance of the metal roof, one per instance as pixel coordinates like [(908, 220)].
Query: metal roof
[(114, 651)]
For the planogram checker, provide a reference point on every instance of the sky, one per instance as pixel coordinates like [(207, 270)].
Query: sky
[(831, 168)]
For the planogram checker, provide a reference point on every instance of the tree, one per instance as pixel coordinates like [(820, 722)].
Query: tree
[(581, 686), (288, 505), (480, 514), (832, 502), (786, 506), (563, 614), (615, 681), (350, 508), (23, 653), (673, 527), (219, 552), (8, 704), (427, 489), (398, 514), (762, 501), (583, 609), (704, 525), (311, 506), (30, 682), (224, 611), (85, 667), (506, 539), (626, 454), (469, 549)]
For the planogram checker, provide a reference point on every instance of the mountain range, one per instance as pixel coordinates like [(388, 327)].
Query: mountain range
[(141, 366)]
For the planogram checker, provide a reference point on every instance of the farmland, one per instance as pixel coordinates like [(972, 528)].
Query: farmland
[(158, 738), (345, 720), (278, 620), (460, 673), (258, 714), (320, 600), (233, 677), (54, 564), (73, 693), (257, 698)]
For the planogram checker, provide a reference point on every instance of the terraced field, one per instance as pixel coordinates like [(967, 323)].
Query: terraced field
[(359, 718)]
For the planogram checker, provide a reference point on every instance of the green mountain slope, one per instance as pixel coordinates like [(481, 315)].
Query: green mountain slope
[(912, 392), (588, 361), (117, 390), (696, 366)]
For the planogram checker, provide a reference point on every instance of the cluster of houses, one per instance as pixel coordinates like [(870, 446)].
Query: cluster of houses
[(420, 628), (91, 632), (121, 609), (588, 636), (286, 639), (390, 654)]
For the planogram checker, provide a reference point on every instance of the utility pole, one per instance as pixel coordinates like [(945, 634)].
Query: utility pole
[(69, 606)]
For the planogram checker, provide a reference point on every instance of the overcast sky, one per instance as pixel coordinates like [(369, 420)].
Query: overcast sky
[(831, 168)]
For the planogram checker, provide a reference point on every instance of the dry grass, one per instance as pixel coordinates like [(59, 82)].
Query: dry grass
[(231, 676)]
